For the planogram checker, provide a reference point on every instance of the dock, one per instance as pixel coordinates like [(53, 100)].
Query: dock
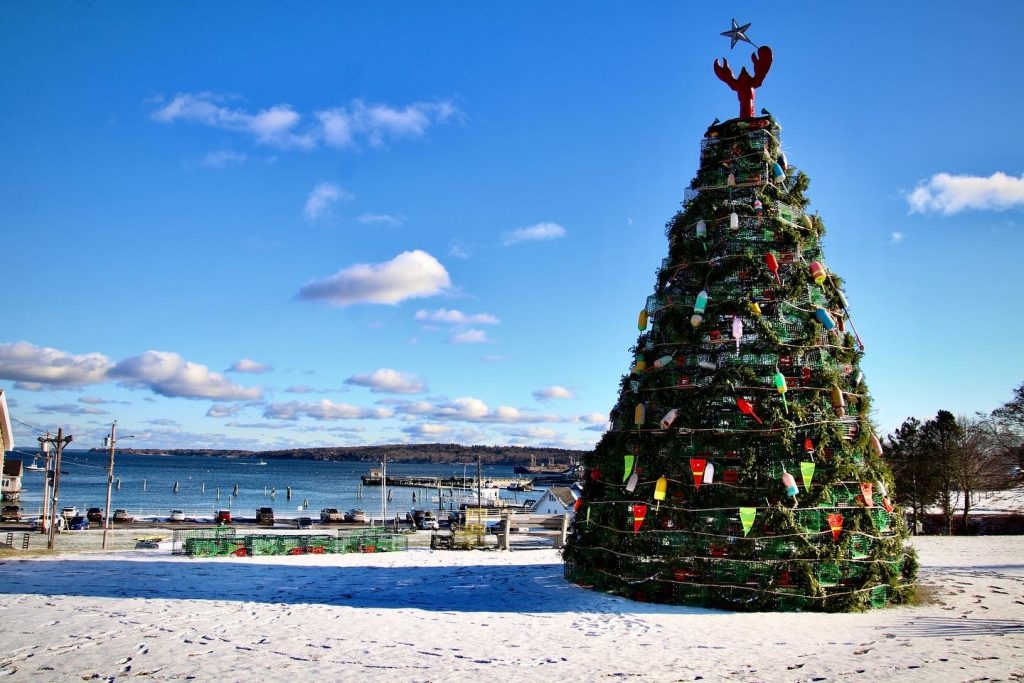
[(373, 478)]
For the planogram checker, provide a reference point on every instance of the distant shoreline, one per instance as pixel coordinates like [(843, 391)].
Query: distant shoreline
[(397, 453)]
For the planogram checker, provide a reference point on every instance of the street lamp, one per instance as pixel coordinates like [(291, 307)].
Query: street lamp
[(111, 442)]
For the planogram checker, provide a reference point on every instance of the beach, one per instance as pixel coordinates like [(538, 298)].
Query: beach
[(427, 615)]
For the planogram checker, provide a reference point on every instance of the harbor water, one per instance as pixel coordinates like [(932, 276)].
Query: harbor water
[(150, 486)]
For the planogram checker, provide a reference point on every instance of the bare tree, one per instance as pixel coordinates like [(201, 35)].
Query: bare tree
[(977, 461), (1008, 428)]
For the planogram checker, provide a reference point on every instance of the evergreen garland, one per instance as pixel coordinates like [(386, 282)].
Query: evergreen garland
[(649, 526)]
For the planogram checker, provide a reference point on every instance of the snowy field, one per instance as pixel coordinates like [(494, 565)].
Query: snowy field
[(477, 616)]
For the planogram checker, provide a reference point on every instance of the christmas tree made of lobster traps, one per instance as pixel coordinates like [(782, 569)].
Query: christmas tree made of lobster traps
[(740, 469)]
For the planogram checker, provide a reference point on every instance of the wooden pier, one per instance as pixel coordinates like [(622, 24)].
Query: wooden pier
[(373, 478)]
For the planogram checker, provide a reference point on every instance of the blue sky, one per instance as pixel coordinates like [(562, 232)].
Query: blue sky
[(264, 225)]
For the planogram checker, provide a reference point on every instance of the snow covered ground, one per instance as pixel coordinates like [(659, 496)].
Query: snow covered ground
[(479, 615)]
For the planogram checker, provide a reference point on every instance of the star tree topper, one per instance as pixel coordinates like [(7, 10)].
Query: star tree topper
[(738, 33)]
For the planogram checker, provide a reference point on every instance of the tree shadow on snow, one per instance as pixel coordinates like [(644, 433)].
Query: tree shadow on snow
[(532, 588)]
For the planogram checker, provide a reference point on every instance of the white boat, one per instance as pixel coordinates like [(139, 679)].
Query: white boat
[(34, 467)]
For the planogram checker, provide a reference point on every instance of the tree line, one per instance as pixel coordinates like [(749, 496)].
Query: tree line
[(946, 461), (442, 453)]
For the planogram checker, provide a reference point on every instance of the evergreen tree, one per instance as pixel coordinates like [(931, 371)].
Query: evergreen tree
[(917, 482), (740, 469), (942, 440)]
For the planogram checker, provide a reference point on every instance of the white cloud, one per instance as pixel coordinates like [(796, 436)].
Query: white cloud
[(380, 218), (39, 364), (275, 126), (409, 275), (168, 374), (535, 233), (427, 431), (534, 432), (458, 250), (895, 238), (222, 158), (29, 386), (470, 409), (553, 392), (97, 401), (259, 425), (250, 366), (594, 418), (455, 317), (470, 337), (223, 410), (301, 389), (948, 194), (322, 197), (388, 381), (378, 124), (69, 409), (324, 410)]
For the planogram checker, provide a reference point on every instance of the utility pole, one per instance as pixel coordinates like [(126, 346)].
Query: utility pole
[(384, 490), (44, 525), (112, 442), (60, 441)]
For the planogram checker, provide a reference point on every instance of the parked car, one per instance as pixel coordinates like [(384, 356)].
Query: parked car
[(265, 515), (356, 515), (95, 515), (10, 513), (332, 515), (78, 523), (427, 522), (122, 516), (69, 512), (176, 516), (223, 517), (302, 522)]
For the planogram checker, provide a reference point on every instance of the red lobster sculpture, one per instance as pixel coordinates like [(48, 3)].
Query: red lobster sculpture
[(744, 84)]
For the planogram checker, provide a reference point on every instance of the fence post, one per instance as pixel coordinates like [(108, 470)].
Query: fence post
[(506, 531), (563, 532)]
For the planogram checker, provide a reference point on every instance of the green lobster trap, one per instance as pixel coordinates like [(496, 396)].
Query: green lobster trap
[(180, 537), (881, 519)]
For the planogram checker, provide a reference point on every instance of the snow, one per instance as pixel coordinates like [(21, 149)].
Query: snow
[(464, 615)]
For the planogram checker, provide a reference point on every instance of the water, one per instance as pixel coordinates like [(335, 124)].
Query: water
[(147, 485)]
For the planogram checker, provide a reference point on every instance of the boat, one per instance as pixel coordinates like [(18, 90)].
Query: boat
[(534, 468), (521, 485), (34, 467)]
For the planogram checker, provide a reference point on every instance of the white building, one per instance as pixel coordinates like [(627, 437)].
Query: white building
[(6, 436), (10, 487), (557, 500)]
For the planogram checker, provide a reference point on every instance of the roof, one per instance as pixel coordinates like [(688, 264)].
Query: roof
[(12, 468), (564, 495)]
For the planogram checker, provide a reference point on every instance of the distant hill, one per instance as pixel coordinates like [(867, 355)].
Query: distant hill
[(418, 453)]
